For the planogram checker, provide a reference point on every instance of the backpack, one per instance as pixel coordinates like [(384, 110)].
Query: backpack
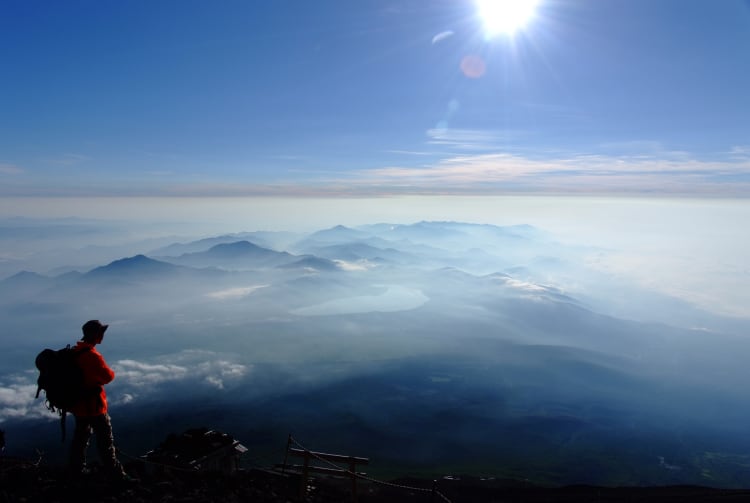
[(61, 378)]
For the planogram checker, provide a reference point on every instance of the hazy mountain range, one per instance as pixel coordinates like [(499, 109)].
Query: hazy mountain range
[(437, 346)]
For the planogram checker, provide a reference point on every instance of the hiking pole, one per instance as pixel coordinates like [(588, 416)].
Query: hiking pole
[(286, 453)]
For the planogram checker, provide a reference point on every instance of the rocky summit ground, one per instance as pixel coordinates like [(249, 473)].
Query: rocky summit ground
[(23, 481)]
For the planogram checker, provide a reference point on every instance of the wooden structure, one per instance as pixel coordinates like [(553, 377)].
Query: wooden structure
[(324, 463), (198, 449)]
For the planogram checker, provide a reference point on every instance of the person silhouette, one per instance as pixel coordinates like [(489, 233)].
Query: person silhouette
[(90, 411)]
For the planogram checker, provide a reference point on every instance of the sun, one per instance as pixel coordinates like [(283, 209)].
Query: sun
[(505, 16)]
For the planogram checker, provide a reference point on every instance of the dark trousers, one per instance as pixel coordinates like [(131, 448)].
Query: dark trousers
[(101, 426)]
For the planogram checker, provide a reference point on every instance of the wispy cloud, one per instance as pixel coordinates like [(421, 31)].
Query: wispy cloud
[(576, 174), (740, 151), (675, 173), (410, 152), (189, 367), (467, 139), (10, 169), (140, 374), (134, 378), (234, 293), (17, 398), (360, 265), (68, 159), (644, 149), (443, 35), (475, 167), (161, 173)]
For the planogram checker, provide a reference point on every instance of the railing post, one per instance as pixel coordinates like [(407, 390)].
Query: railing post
[(309, 465), (286, 454), (353, 475), (303, 480)]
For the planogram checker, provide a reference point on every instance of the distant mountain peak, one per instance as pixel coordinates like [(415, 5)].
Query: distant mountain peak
[(240, 249), (24, 279), (338, 233), (25, 275), (243, 245), (339, 229), (312, 262), (135, 260), (138, 264)]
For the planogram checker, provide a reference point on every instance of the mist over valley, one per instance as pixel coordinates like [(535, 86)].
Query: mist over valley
[(432, 347)]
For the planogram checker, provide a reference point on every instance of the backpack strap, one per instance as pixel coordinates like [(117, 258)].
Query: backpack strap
[(63, 425), (80, 351), (64, 412)]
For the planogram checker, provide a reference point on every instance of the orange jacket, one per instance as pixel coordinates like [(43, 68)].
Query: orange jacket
[(96, 373)]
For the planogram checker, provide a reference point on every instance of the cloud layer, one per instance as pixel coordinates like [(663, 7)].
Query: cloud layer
[(134, 379), (477, 169), (17, 399)]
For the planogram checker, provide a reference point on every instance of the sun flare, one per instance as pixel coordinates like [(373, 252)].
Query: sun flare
[(505, 16)]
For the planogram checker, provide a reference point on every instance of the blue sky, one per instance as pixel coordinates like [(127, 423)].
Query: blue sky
[(341, 98)]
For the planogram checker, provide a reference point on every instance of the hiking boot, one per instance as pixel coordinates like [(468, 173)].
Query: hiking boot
[(118, 474), (79, 472), (126, 479)]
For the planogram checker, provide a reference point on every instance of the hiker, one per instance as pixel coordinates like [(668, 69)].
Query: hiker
[(91, 410)]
